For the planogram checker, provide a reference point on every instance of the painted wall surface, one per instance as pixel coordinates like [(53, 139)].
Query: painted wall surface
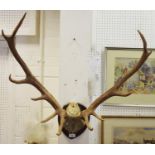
[(68, 62), (43, 61), (75, 44), (5, 107), (41, 53), (118, 29)]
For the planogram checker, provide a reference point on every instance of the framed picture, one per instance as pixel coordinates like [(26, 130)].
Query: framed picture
[(128, 130), (142, 83)]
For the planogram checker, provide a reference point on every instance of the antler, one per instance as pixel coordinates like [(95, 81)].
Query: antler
[(30, 79), (114, 91)]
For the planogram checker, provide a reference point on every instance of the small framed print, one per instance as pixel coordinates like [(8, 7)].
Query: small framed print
[(128, 130), (142, 83)]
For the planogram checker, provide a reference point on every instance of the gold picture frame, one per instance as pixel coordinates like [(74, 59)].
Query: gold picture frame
[(128, 130), (142, 83)]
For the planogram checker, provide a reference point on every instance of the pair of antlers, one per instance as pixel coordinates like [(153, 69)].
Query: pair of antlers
[(46, 95)]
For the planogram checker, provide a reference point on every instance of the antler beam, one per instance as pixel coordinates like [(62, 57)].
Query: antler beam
[(114, 91), (30, 78)]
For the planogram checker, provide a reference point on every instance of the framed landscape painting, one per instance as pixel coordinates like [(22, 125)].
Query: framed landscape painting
[(128, 130), (142, 83)]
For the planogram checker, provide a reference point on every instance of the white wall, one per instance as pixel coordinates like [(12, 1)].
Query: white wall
[(5, 107), (66, 73), (51, 67), (74, 61), (42, 63), (118, 29), (48, 65)]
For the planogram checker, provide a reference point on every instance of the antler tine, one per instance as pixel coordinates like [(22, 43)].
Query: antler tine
[(16, 28), (143, 40), (11, 43), (114, 91), (31, 79), (17, 81), (19, 25), (62, 121), (143, 58)]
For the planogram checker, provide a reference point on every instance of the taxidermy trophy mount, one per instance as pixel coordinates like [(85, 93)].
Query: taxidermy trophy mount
[(74, 117)]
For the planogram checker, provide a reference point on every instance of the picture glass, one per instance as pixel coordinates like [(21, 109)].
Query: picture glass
[(143, 81), (133, 135), (141, 84), (128, 130)]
